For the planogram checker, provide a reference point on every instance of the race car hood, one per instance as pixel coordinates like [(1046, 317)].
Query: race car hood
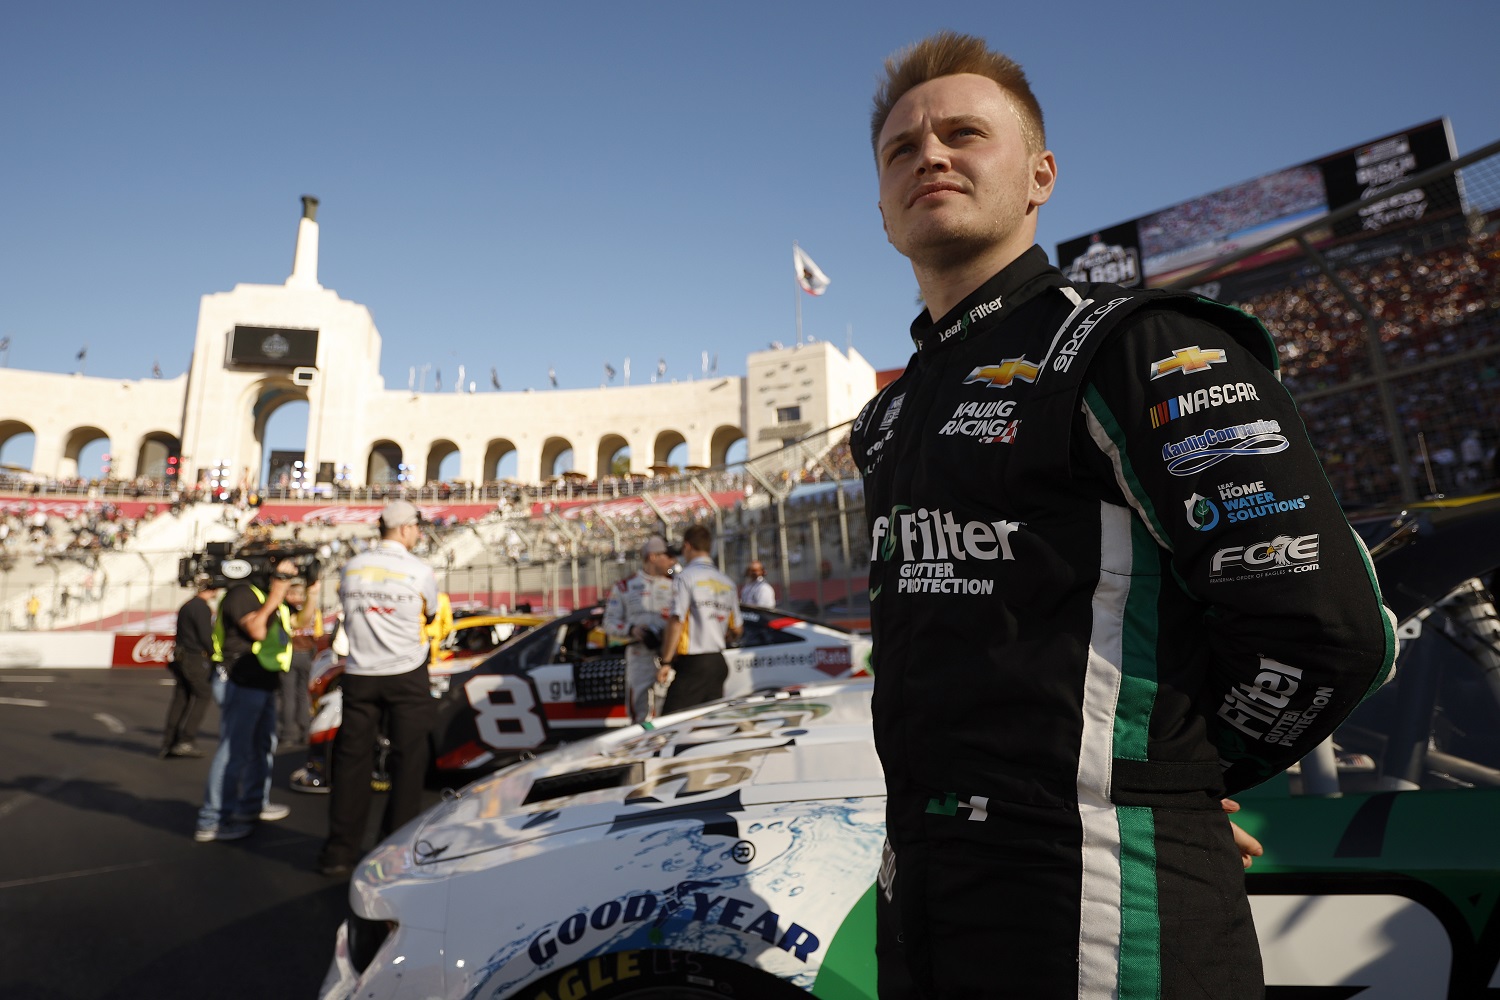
[(809, 743)]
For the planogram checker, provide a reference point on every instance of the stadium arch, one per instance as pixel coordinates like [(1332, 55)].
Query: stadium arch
[(554, 449), (724, 437), (76, 441), (265, 396), (437, 453), (12, 429), (610, 447), (495, 452), (668, 441), (384, 465), (153, 456)]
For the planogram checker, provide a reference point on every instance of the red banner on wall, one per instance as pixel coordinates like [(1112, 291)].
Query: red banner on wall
[(70, 508), (143, 649), (677, 503), (300, 513)]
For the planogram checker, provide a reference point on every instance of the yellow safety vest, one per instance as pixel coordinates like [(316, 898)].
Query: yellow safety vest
[(274, 651)]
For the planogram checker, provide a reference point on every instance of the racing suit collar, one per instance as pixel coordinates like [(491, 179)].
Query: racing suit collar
[(1020, 280)]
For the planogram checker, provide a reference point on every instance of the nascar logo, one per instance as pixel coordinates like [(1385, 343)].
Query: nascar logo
[(1187, 360), (1000, 376), (1203, 399)]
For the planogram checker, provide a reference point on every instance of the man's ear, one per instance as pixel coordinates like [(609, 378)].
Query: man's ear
[(1043, 178)]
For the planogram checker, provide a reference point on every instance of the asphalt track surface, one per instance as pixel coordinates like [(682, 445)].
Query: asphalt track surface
[(103, 891)]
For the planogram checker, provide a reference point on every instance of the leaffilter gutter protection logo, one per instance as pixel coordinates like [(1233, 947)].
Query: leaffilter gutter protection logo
[(1202, 451)]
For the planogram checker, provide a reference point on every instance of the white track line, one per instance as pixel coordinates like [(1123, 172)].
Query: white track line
[(109, 722), (17, 883), (23, 702), (26, 680)]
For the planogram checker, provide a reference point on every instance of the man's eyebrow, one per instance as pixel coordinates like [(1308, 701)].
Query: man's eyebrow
[(951, 121)]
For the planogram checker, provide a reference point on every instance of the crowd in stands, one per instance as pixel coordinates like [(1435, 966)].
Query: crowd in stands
[(1431, 306), (29, 533)]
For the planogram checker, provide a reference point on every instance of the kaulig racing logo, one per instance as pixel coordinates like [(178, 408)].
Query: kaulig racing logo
[(988, 421), (1280, 556), (933, 545)]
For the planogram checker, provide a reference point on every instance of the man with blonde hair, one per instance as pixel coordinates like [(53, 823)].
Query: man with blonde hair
[(1078, 651)]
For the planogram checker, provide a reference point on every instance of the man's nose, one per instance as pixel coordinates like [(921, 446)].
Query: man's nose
[(932, 155)]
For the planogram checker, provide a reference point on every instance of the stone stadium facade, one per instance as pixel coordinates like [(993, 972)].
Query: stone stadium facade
[(259, 347)]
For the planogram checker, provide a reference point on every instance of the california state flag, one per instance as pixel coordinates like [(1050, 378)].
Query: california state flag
[(809, 275)]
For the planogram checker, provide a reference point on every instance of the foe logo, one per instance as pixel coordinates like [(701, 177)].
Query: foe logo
[(1281, 555)]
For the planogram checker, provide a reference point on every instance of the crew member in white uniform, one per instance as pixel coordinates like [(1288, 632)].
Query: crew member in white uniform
[(705, 620), (757, 590), (637, 613)]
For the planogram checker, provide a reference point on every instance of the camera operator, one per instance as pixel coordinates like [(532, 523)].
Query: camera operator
[(252, 644), (388, 595), (194, 672), (637, 613)]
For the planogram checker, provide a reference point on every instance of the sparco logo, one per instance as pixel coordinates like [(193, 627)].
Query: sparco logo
[(1281, 555), (1118, 265), (932, 544), (1201, 451), (151, 648), (985, 421), (1074, 344)]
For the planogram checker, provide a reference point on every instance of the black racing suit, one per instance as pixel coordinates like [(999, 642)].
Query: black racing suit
[(1109, 583)]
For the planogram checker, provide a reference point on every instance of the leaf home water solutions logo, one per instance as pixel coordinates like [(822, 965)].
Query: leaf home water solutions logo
[(933, 545)]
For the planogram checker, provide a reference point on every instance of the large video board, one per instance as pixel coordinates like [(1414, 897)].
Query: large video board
[(1157, 248)]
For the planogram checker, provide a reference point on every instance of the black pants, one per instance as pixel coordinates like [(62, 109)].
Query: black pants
[(992, 910), (295, 709), (406, 701), (700, 678), (190, 698)]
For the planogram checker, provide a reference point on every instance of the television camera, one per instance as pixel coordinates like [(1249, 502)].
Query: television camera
[(226, 566)]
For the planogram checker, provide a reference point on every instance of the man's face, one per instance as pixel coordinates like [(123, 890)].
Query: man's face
[(659, 564), (956, 178), (409, 535)]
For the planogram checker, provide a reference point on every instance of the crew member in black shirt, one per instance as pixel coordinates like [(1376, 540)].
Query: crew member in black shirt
[(190, 665)]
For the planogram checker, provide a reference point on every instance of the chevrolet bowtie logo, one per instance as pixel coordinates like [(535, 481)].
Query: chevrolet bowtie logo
[(1187, 360), (1002, 374)]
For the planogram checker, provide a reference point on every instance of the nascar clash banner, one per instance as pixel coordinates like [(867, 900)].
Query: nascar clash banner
[(1156, 249)]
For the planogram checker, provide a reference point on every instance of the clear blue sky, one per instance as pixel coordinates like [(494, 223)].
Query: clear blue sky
[(535, 186)]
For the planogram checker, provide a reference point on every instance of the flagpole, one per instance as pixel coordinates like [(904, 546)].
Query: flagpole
[(797, 291)]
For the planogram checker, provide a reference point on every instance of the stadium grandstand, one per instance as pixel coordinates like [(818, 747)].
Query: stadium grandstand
[(1385, 310)]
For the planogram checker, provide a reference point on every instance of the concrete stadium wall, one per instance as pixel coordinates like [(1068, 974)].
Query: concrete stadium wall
[(56, 650)]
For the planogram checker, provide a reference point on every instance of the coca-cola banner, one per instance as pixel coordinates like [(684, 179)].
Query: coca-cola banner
[(143, 649), (70, 508), (301, 513)]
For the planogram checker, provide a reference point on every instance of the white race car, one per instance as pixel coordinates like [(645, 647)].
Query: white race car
[(730, 851)]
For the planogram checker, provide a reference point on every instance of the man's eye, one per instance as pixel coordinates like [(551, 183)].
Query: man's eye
[(905, 147)]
